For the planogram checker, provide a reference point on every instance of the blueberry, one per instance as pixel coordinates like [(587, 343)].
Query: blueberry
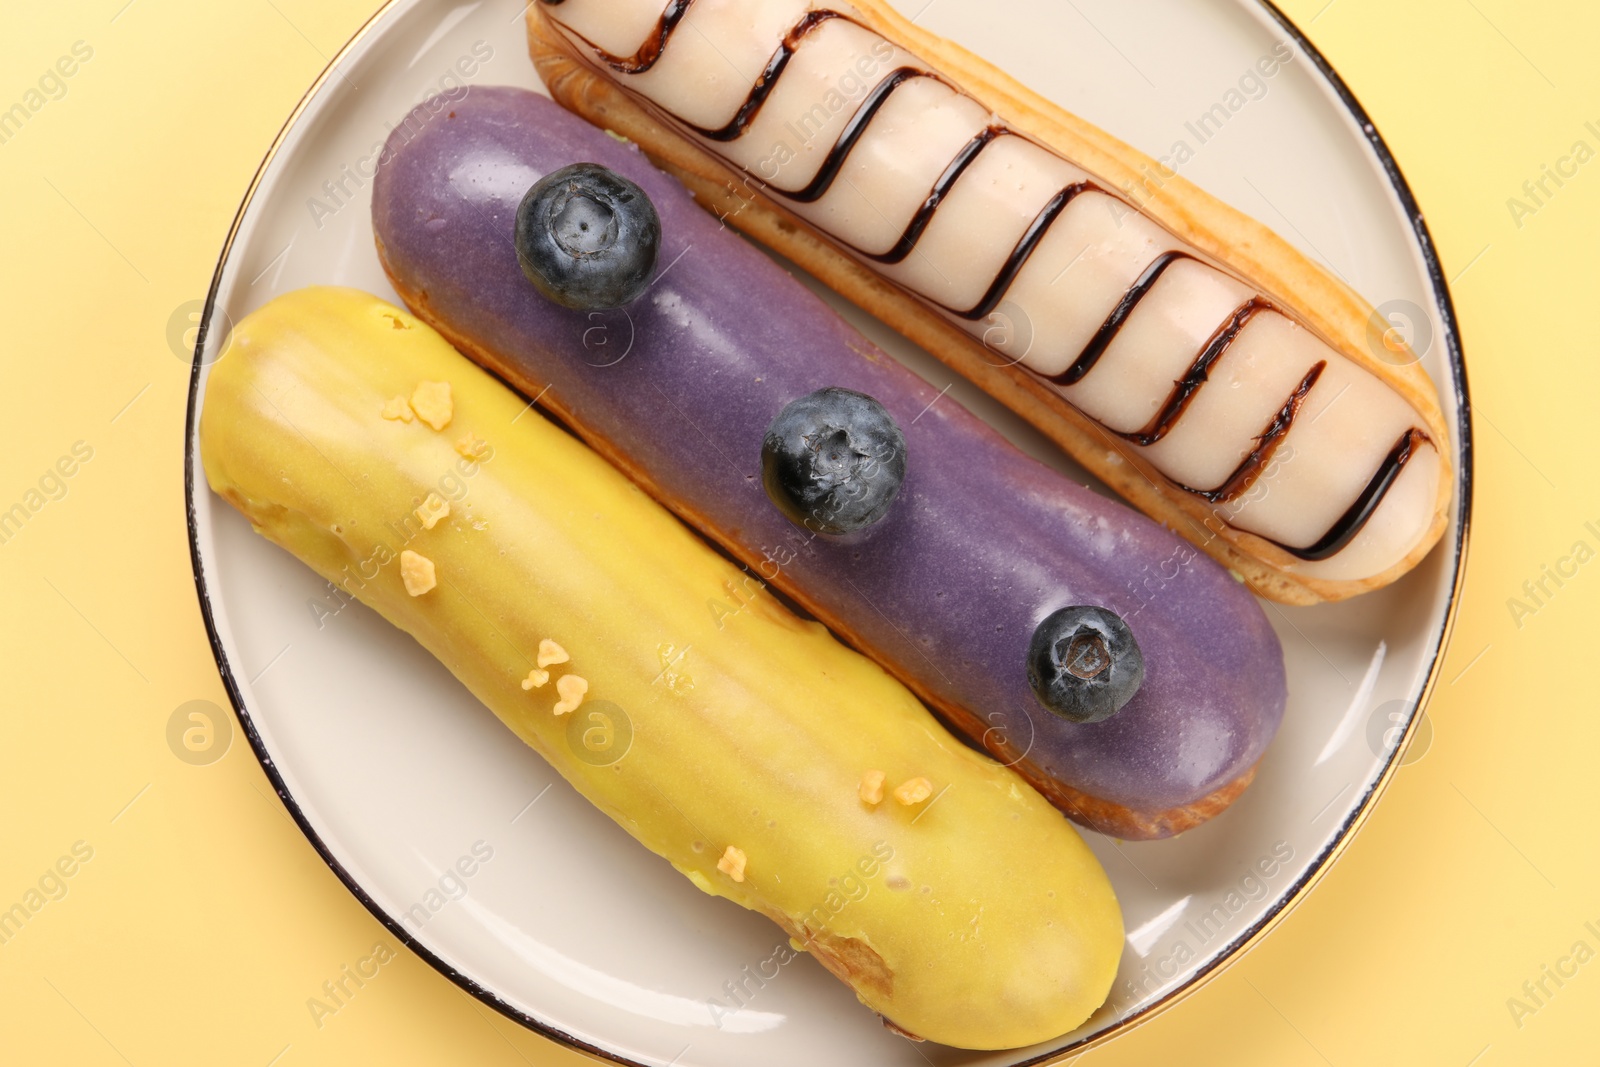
[(1084, 664), (833, 461), (587, 237)]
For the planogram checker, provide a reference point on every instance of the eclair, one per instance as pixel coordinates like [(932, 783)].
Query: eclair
[(551, 589), (978, 552), (1194, 361)]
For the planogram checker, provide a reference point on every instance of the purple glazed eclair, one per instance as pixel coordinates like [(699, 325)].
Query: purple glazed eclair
[(983, 543)]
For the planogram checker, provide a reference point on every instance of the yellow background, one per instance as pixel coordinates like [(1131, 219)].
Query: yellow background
[(204, 920)]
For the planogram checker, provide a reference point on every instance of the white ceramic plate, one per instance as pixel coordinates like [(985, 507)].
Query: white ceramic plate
[(395, 773)]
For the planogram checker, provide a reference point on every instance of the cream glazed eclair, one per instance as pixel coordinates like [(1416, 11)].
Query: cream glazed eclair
[(1193, 360)]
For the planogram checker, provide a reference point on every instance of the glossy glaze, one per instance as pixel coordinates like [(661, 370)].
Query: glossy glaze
[(1319, 479), (552, 542), (983, 542)]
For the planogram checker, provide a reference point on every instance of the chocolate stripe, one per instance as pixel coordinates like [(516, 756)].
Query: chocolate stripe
[(649, 52), (819, 186), (768, 81), (1024, 249), (1113, 325), (1342, 532), (919, 222), (1184, 390), (1267, 441)]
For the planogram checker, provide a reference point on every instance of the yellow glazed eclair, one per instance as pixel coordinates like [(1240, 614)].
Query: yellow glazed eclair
[(765, 761), (1193, 360)]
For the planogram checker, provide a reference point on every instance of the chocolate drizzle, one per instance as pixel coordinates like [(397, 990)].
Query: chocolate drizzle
[(834, 162), (924, 214), (1267, 441), (768, 81), (653, 46), (1344, 530), (1024, 249), (1184, 390), (1113, 325)]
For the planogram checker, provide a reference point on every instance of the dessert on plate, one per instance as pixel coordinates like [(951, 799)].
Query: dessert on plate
[(771, 766), (974, 557), (1189, 357)]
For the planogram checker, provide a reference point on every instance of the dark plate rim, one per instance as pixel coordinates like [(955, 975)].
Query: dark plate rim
[(1292, 897)]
